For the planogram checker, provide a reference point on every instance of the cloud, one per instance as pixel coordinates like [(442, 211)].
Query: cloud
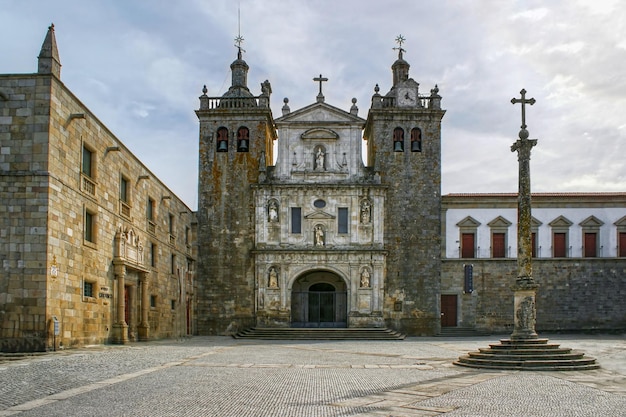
[(140, 68)]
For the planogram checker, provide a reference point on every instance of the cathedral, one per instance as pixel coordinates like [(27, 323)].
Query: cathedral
[(292, 229)]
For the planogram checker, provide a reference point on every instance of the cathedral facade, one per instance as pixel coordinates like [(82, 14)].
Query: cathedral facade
[(319, 239)]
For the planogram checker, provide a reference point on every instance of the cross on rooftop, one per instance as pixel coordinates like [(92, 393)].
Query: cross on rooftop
[(523, 100), (320, 79)]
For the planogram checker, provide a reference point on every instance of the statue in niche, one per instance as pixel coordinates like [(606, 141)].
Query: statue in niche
[(365, 278), (366, 212), (273, 278), (273, 212), (319, 235), (319, 159)]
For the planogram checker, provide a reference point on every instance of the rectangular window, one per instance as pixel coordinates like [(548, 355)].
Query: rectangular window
[(87, 168), (622, 244), (559, 242), (296, 220), (153, 301), (534, 245), (153, 255), (187, 231), (87, 289), (171, 224), (467, 245), (173, 304), (173, 264), (90, 227), (591, 247), (342, 219), (498, 249), (150, 209), (124, 190)]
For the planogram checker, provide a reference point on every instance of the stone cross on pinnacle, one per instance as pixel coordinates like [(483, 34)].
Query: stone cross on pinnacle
[(320, 79), (523, 100)]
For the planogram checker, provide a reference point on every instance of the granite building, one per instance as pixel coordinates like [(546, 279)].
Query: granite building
[(94, 247), (319, 239)]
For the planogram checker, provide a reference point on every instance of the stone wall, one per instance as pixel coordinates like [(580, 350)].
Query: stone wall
[(412, 217), (226, 221), (574, 294)]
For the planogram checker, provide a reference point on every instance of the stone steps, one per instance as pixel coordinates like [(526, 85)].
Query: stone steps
[(319, 334), (528, 354)]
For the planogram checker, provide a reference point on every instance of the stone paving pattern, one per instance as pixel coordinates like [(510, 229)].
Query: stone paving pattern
[(220, 376)]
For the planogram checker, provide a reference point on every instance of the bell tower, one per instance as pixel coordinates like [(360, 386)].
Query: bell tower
[(236, 141), (403, 134)]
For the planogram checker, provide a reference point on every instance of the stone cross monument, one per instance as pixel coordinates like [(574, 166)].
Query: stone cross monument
[(524, 287)]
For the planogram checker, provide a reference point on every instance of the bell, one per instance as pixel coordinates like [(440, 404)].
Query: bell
[(222, 146), (243, 145), (416, 146), (397, 146)]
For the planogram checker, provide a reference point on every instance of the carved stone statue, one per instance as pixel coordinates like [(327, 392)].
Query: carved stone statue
[(366, 215), (365, 278), (273, 212), (273, 278), (319, 235), (319, 159), (526, 313)]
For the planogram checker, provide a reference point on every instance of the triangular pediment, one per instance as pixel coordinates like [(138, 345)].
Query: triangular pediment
[(319, 215), (320, 112), (591, 221), (468, 222), (560, 221), (499, 222), (621, 222)]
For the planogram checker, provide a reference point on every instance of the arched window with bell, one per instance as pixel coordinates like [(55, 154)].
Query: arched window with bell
[(222, 139), (416, 139), (398, 139), (243, 139)]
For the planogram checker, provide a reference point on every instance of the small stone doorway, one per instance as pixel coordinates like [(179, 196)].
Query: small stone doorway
[(448, 310), (319, 299)]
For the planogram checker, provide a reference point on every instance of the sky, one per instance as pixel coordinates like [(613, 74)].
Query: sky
[(139, 66)]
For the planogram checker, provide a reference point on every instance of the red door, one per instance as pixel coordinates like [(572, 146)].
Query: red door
[(622, 244), (590, 245), (497, 245), (559, 245), (467, 245), (448, 310)]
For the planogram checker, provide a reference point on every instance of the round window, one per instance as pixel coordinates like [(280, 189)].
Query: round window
[(319, 203)]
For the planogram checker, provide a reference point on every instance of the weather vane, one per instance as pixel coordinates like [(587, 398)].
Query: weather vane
[(239, 38), (400, 40)]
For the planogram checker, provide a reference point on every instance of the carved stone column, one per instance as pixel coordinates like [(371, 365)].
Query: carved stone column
[(144, 327), (120, 328), (525, 287)]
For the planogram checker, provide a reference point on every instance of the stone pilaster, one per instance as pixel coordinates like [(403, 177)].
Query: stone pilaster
[(120, 328), (144, 327)]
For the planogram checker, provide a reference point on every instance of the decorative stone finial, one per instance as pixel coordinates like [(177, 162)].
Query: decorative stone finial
[(286, 109), (354, 109), (204, 90)]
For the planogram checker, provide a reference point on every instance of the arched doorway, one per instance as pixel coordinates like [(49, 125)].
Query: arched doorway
[(318, 299)]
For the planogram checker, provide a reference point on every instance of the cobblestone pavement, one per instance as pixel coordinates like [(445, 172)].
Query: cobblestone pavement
[(220, 376)]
